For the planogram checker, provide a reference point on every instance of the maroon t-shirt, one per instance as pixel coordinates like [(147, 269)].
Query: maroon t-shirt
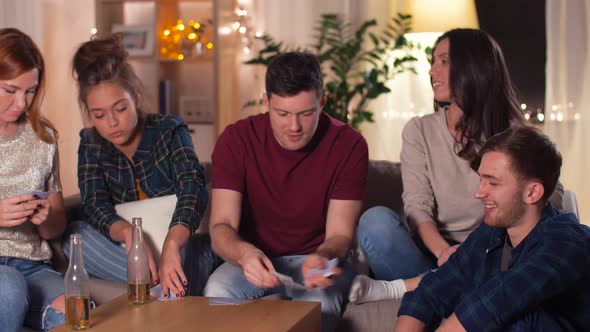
[(285, 194)]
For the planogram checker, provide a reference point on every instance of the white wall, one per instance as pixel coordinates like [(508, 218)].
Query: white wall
[(67, 24), (57, 26), (25, 15)]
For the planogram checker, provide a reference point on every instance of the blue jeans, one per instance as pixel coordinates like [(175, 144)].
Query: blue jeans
[(102, 257), (229, 281), (27, 290), (392, 253), (107, 260)]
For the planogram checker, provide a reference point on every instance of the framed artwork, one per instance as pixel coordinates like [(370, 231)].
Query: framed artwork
[(138, 40)]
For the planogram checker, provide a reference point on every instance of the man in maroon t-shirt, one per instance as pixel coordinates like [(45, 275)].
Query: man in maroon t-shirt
[(287, 191)]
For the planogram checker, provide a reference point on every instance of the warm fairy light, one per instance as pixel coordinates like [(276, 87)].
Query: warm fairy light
[(236, 25), (527, 116), (209, 45), (242, 30), (181, 41), (93, 31), (259, 34), (523, 106)]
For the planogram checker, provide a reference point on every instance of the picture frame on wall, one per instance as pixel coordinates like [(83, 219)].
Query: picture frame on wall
[(138, 40)]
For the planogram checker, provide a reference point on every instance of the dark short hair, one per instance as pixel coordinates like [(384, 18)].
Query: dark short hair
[(532, 154), (291, 73)]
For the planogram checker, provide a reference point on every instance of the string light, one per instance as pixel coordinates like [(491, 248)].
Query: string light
[(185, 40)]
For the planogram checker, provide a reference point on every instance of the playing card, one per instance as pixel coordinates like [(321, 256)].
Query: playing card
[(288, 281), (156, 292), (227, 301), (41, 194), (326, 271)]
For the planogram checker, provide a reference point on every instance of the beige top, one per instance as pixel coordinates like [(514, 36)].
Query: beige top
[(28, 163), (438, 184)]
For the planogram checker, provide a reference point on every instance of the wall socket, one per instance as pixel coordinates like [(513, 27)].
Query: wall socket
[(195, 109)]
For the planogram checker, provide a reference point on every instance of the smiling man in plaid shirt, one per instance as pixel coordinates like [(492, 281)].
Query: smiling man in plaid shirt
[(527, 268)]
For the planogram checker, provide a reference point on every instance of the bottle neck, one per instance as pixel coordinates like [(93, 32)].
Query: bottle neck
[(76, 250), (137, 235)]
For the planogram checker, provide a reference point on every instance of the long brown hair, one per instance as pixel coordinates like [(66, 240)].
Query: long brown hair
[(18, 55), (481, 87)]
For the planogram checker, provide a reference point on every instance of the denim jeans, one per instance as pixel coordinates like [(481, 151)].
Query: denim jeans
[(102, 257), (229, 281), (392, 253), (27, 290), (107, 260)]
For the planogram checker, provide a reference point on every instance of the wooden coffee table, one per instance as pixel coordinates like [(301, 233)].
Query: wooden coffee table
[(195, 313)]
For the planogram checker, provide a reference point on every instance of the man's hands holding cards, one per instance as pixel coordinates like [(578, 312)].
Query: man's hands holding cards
[(318, 271), (258, 269), (315, 277)]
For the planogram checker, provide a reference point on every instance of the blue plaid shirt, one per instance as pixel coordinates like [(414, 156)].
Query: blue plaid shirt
[(549, 271), (165, 163)]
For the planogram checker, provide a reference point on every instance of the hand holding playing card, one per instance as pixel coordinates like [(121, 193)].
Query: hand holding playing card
[(318, 270), (288, 281), (41, 212), (16, 210), (258, 269)]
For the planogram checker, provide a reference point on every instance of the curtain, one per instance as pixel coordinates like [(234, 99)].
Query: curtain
[(25, 15), (567, 96)]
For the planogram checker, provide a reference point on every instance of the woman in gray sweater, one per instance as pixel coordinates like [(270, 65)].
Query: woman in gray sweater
[(474, 99)]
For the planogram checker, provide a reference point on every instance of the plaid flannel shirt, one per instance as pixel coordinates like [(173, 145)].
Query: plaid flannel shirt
[(549, 271), (165, 163)]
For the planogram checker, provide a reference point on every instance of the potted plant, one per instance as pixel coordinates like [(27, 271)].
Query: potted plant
[(356, 64)]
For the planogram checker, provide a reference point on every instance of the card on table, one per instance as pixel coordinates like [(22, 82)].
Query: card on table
[(40, 193), (227, 301), (156, 292)]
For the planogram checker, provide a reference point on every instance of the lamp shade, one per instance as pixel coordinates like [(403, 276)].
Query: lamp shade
[(440, 16)]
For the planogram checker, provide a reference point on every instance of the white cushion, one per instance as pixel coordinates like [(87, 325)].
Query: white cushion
[(156, 214)]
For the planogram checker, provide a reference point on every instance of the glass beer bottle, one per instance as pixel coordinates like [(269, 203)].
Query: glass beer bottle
[(76, 285), (138, 271)]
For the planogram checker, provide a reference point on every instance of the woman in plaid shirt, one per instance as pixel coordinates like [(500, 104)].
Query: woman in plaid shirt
[(129, 155)]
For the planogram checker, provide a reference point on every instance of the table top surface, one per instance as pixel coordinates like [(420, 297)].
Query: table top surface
[(195, 312)]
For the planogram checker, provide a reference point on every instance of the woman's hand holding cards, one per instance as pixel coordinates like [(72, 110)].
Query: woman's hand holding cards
[(17, 209)]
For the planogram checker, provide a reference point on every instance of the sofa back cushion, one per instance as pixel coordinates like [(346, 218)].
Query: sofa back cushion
[(384, 183)]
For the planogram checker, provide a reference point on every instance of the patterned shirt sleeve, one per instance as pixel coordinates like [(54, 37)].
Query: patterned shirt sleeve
[(440, 291), (190, 180), (97, 207), (556, 262)]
